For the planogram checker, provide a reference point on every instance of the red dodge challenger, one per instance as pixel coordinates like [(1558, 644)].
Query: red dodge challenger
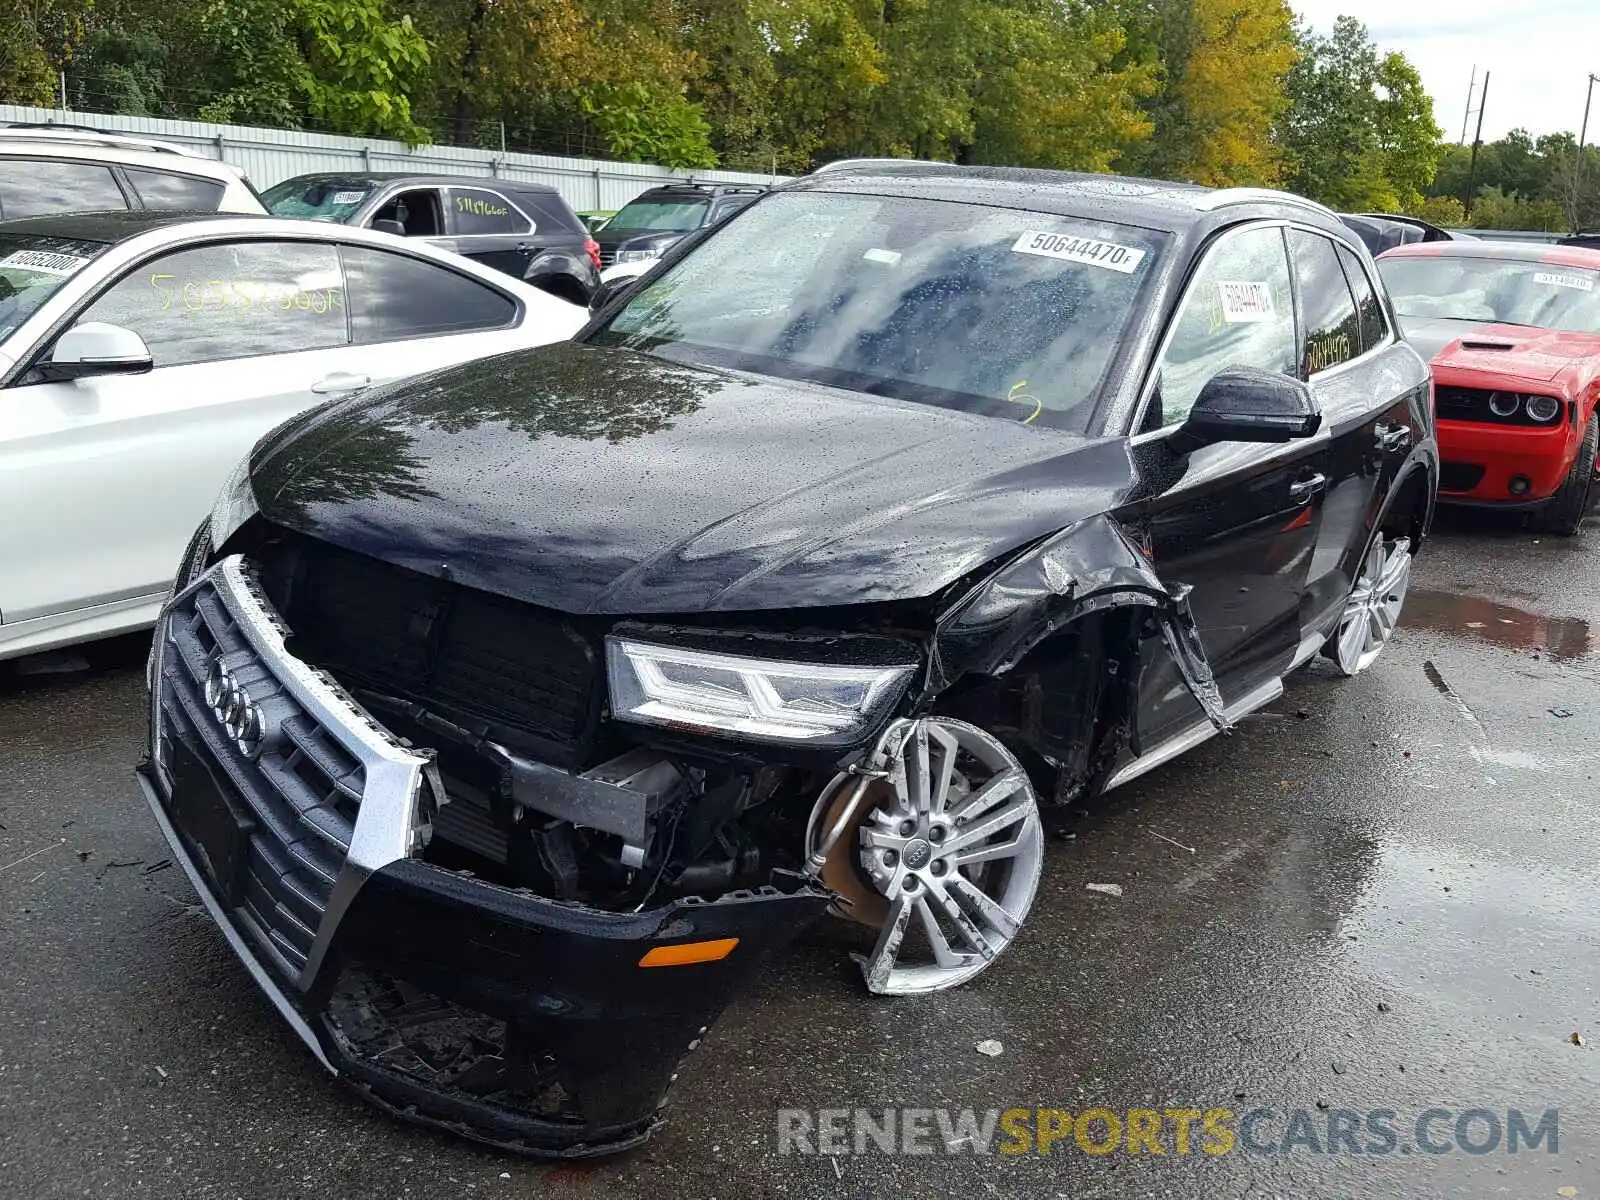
[(1513, 332)]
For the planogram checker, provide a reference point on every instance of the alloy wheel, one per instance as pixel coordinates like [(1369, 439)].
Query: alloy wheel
[(955, 847), (1373, 609)]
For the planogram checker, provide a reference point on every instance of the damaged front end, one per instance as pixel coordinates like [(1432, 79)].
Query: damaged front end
[(447, 995), (517, 932)]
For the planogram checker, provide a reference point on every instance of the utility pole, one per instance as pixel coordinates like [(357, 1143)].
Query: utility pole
[(1577, 159), (1477, 140), (1467, 115)]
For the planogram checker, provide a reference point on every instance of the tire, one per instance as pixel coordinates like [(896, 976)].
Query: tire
[(1372, 610), (1564, 514)]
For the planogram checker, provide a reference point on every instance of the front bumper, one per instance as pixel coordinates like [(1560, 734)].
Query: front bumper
[(498, 1014), (1481, 460)]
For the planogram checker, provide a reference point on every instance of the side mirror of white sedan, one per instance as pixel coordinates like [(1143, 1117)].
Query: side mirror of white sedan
[(96, 348)]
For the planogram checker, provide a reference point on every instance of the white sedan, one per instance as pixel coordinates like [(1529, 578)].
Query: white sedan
[(142, 355)]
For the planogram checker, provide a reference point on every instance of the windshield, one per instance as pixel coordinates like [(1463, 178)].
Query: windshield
[(1494, 289), (316, 199), (33, 268), (659, 216), (992, 310)]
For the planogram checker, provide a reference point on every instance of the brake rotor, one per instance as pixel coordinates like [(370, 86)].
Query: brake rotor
[(841, 870)]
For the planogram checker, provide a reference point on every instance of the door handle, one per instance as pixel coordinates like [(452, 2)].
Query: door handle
[(1303, 489), (340, 381), (1392, 437)]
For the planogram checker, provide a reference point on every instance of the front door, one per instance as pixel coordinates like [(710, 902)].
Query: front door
[(1234, 522), (104, 479)]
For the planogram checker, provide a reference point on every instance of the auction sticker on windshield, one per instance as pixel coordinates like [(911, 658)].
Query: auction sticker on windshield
[(45, 262), (1090, 251), (1567, 281)]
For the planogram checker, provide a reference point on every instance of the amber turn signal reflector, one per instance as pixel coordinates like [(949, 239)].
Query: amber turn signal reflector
[(689, 952)]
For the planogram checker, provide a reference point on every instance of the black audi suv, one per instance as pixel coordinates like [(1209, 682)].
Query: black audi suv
[(506, 719)]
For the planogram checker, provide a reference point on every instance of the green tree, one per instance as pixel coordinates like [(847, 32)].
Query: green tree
[(1358, 132), (1213, 121), (341, 65)]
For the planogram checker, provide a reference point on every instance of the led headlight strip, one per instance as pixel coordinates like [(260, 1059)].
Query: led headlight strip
[(819, 703)]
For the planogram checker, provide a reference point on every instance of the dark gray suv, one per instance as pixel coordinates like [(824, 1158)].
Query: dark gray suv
[(524, 229)]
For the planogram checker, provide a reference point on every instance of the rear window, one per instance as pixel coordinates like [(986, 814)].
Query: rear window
[(393, 297), (37, 187), (164, 190), (550, 213), (33, 268)]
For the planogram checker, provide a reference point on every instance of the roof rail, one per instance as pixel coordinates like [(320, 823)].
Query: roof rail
[(712, 186), (1244, 195), (859, 164), (84, 135)]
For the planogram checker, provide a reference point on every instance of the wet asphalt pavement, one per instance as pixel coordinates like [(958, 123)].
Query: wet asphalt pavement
[(1383, 895)]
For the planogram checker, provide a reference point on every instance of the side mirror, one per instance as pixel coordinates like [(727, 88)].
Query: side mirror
[(388, 225), (95, 348), (1247, 404)]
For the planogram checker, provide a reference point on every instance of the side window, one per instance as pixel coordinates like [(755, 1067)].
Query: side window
[(550, 213), (1333, 334), (164, 190), (1238, 311), (33, 187), (417, 211), (394, 297), (235, 300), (1374, 326), (478, 210)]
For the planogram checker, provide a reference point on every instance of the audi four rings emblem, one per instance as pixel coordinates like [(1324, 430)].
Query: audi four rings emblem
[(238, 714)]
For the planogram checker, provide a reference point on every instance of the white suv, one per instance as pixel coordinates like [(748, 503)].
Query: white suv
[(46, 170)]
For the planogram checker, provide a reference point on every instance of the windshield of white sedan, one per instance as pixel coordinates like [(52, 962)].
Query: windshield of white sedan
[(1500, 290), (316, 199), (33, 268), (998, 311)]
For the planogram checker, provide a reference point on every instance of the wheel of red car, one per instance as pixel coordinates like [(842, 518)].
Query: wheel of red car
[(1567, 508)]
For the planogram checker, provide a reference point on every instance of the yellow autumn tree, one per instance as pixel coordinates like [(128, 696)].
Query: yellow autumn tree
[(1223, 66), (1231, 91)]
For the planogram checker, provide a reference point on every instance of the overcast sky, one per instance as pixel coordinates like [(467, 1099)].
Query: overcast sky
[(1539, 52)]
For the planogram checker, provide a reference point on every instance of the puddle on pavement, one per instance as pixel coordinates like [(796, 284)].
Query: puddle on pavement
[(1562, 638), (1467, 929)]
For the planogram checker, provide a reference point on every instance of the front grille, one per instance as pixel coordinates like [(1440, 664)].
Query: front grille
[(607, 258), (294, 804), (1472, 404), (1459, 476), (521, 675)]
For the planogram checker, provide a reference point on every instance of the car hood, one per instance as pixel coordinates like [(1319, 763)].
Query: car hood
[(1538, 354), (597, 480)]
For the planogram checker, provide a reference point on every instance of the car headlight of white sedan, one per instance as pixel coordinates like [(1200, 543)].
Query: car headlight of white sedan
[(817, 703)]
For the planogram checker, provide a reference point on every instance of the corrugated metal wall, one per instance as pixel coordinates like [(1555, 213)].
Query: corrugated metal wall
[(268, 155)]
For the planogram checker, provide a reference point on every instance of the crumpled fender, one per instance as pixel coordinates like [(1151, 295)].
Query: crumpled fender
[(1089, 566)]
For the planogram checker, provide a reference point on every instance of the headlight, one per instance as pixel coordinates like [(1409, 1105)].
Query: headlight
[(1543, 408), (236, 504), (818, 703), (1504, 404), (627, 256)]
